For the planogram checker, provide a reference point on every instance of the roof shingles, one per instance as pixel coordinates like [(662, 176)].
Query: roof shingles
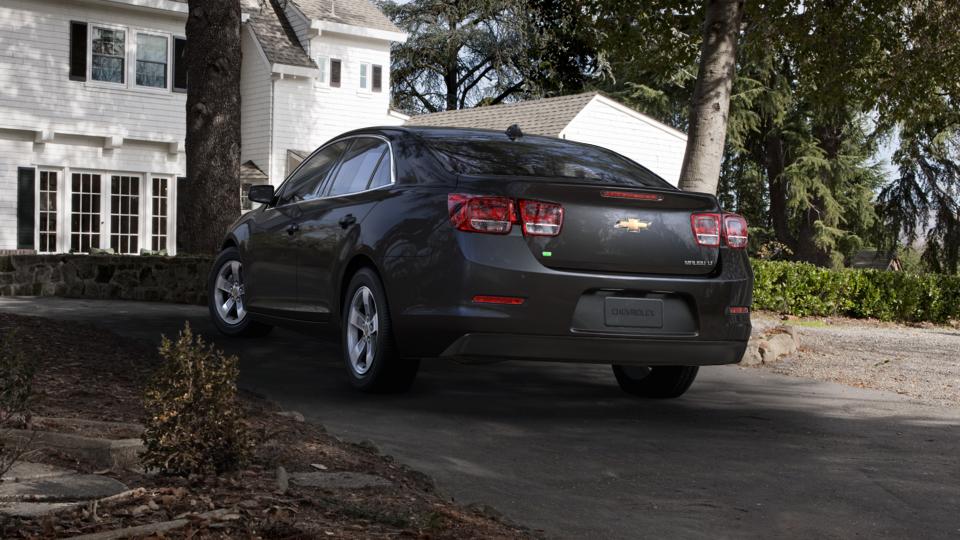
[(353, 12), (276, 37), (537, 117)]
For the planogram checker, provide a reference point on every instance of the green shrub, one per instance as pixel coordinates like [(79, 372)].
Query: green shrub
[(194, 423), (16, 385), (804, 289)]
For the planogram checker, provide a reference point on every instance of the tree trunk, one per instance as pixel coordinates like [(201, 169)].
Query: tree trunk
[(711, 97), (209, 201)]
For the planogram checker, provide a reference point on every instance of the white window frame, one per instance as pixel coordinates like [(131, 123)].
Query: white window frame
[(132, 76), (59, 215), (171, 216), (365, 76), (323, 62), (126, 55)]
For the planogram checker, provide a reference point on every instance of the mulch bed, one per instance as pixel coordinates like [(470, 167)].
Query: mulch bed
[(86, 372)]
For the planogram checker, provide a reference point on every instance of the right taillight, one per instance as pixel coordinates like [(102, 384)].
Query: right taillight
[(735, 231), (706, 229), (481, 213)]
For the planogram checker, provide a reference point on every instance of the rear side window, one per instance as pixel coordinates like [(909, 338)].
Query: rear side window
[(303, 183), (539, 157), (358, 166)]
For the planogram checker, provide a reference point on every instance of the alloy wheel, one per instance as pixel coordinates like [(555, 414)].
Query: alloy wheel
[(362, 326), (229, 293)]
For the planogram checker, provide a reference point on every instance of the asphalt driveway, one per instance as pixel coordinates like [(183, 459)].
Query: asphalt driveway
[(558, 447)]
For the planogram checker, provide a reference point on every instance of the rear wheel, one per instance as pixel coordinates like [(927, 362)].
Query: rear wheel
[(655, 382), (226, 298), (373, 364)]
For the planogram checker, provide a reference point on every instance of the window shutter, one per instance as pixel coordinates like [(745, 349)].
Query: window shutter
[(26, 194), (377, 78), (179, 65), (335, 73), (78, 51)]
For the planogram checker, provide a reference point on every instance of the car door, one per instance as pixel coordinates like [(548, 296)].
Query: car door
[(271, 259), (331, 224)]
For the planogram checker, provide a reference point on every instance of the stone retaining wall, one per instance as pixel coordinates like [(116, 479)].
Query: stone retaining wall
[(162, 279)]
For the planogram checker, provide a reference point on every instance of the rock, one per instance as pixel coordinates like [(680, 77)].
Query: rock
[(294, 415), (338, 480), (35, 509), (23, 470), (776, 346), (751, 356), (283, 480), (318, 466), (69, 488)]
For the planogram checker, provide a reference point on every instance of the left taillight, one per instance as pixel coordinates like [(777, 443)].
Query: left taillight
[(541, 218), (481, 213), (496, 215), (706, 229)]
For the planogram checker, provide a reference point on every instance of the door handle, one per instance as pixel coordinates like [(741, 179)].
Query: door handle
[(292, 229), (347, 220)]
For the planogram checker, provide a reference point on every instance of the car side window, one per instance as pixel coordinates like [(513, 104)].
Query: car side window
[(358, 166), (302, 185), (383, 175)]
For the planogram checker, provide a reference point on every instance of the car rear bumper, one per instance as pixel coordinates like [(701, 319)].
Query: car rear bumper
[(481, 348)]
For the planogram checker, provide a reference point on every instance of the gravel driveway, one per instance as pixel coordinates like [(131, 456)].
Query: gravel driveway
[(923, 363)]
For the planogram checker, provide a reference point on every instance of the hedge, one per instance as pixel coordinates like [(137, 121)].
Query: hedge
[(804, 289)]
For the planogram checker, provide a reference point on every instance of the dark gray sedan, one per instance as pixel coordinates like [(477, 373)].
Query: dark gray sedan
[(479, 246)]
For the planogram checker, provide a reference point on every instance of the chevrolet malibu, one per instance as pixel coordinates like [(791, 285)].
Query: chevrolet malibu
[(478, 246)]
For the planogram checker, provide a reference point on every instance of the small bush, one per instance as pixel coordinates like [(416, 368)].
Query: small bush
[(194, 424), (16, 385), (804, 289)]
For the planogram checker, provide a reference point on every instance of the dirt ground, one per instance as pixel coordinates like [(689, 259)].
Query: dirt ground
[(922, 362), (84, 372)]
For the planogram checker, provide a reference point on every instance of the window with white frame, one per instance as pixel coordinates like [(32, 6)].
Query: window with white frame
[(108, 54), (47, 224), (84, 212), (364, 70), (152, 51), (322, 65), (125, 214), (158, 213)]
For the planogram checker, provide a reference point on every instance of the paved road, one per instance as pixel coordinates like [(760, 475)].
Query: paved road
[(558, 447)]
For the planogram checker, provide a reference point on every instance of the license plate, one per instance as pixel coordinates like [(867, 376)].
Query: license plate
[(633, 312)]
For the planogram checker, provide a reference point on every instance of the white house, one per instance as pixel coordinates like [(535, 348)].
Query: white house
[(92, 109), (589, 118)]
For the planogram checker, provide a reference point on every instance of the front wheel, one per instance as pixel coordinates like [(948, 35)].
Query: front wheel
[(226, 298), (661, 382), (373, 364)]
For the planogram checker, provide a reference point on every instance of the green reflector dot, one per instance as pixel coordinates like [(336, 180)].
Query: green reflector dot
[(548, 254)]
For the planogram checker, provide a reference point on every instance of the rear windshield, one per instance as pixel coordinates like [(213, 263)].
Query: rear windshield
[(540, 157)]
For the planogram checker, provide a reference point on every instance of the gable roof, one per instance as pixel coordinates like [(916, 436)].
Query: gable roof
[(353, 12), (547, 116), (276, 36), (251, 174)]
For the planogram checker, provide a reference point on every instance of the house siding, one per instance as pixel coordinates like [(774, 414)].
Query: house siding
[(255, 100), (656, 147), (308, 113), (37, 96)]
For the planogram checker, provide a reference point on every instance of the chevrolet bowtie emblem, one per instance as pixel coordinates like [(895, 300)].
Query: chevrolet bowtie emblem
[(632, 224)]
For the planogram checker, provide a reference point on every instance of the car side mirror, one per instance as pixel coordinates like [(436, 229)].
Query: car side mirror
[(261, 193)]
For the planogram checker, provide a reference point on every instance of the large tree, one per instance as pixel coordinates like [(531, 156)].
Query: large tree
[(208, 202), (459, 53), (710, 105)]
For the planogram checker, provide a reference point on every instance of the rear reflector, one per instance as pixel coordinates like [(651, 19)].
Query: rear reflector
[(738, 310), (735, 231), (541, 218), (509, 300), (706, 229), (479, 213), (631, 195)]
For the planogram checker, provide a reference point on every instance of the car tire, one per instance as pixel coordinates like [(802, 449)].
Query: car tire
[(661, 382), (366, 330), (225, 298)]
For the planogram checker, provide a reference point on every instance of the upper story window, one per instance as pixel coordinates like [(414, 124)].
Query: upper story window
[(335, 66), (377, 78), (152, 53), (108, 54), (322, 62), (364, 68)]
